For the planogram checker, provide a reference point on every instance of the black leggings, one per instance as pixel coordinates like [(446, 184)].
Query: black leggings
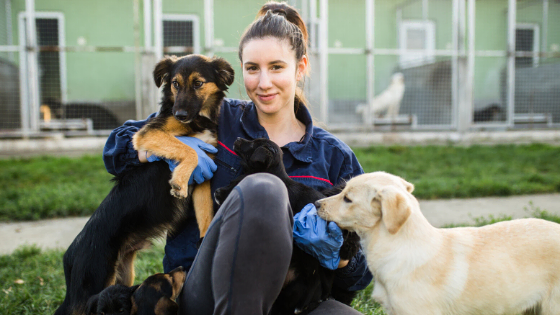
[(243, 260)]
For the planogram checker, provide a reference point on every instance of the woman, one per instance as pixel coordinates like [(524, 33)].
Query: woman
[(242, 263)]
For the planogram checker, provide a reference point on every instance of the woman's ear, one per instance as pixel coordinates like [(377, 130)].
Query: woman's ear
[(302, 68)]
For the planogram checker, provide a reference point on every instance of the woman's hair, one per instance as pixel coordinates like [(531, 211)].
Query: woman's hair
[(282, 21)]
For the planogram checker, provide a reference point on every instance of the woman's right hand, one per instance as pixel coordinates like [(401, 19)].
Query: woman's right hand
[(206, 166)]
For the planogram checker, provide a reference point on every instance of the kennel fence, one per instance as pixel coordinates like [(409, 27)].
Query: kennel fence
[(467, 65)]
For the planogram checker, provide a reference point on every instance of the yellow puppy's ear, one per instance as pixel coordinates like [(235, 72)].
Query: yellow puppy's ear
[(395, 209), (409, 186)]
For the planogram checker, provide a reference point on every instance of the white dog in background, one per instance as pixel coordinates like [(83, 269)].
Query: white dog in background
[(504, 268), (389, 100)]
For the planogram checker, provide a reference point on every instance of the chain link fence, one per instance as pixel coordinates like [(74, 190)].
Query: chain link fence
[(375, 64)]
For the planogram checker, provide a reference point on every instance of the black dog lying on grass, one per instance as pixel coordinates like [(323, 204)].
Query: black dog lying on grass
[(156, 295), (115, 299), (312, 283)]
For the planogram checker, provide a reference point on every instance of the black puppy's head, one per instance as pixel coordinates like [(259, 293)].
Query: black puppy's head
[(193, 85), (157, 294), (113, 300), (258, 155)]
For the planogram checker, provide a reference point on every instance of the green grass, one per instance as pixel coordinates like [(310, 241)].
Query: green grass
[(50, 187), (32, 281), (43, 288), (464, 172)]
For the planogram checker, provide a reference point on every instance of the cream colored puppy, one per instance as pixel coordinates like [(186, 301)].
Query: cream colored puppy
[(390, 100), (504, 268)]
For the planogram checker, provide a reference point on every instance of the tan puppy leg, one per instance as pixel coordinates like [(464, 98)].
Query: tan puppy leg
[(203, 206)]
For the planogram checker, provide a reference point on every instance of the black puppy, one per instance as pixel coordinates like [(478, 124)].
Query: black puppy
[(157, 294), (113, 300), (312, 282)]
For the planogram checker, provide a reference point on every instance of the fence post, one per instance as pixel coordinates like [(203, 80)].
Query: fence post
[(370, 44), (324, 59), (31, 51), (454, 63), (512, 12), (158, 34), (209, 28)]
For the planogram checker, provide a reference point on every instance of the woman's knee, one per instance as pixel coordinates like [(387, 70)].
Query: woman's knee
[(264, 189)]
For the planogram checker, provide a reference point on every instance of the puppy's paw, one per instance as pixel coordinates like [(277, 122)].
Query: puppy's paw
[(179, 191), (220, 195)]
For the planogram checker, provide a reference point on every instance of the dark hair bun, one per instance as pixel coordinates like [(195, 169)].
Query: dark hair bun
[(287, 11)]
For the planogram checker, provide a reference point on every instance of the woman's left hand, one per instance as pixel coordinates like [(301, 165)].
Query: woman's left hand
[(317, 237)]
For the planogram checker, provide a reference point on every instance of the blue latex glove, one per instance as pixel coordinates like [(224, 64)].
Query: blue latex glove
[(206, 166), (314, 236)]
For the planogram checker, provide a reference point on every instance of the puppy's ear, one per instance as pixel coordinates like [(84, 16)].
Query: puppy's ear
[(162, 69), (261, 158), (224, 73), (166, 306), (133, 288), (395, 209), (409, 186), (178, 275), (91, 306)]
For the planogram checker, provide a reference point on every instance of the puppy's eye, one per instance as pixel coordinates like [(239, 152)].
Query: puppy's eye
[(347, 200), (121, 310), (175, 84), (197, 84)]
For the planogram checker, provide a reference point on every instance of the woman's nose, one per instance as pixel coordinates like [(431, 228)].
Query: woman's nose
[(264, 81)]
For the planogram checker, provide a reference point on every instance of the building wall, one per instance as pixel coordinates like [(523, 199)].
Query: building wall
[(109, 76)]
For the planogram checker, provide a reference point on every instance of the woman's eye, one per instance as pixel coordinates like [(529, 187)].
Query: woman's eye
[(251, 68), (347, 200), (276, 67), (175, 84), (198, 83)]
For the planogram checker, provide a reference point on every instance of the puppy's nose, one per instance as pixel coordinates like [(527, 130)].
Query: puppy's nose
[(317, 204), (181, 115)]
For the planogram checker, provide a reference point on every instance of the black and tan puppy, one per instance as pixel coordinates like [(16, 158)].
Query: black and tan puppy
[(307, 283), (113, 300), (140, 206), (157, 294)]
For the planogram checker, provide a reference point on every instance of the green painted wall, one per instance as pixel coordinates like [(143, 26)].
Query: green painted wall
[(99, 76), (109, 76), (3, 28)]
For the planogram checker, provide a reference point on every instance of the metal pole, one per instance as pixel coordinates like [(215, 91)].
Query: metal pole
[(23, 78), (462, 65), (147, 25), (425, 9), (9, 30), (32, 65), (454, 61), (544, 48), (209, 27), (324, 59), (370, 72), (512, 12), (313, 20), (158, 34), (137, 61), (468, 119)]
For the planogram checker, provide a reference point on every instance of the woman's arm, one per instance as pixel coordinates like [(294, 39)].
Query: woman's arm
[(119, 153)]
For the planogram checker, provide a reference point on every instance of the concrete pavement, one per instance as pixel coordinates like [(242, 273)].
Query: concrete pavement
[(59, 233)]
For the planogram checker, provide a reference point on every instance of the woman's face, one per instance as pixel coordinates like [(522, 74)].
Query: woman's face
[(270, 74)]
